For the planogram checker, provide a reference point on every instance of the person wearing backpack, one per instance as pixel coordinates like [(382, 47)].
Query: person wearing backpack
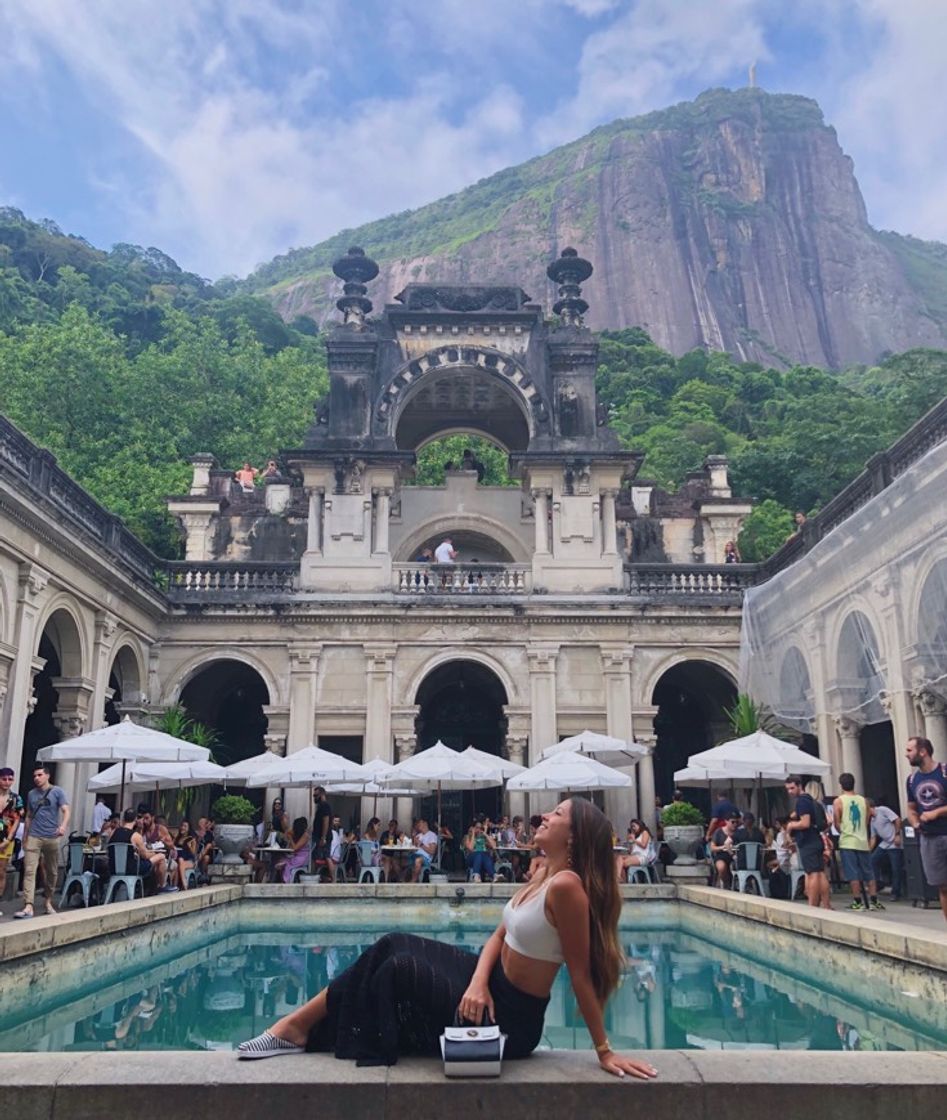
[(852, 816), (806, 825), (927, 811)]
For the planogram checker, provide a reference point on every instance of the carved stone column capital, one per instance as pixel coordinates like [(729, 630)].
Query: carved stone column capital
[(406, 746), (516, 748), (32, 581), (68, 726), (848, 727), (275, 743), (931, 703)]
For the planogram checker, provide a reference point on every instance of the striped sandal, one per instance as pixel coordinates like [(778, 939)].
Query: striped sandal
[(267, 1045)]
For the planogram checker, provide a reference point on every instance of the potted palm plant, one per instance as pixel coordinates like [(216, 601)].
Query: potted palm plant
[(233, 825), (683, 829)]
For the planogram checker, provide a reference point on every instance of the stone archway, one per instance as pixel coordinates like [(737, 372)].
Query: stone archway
[(462, 703), (691, 697), (60, 698), (229, 696), (461, 388), (125, 683)]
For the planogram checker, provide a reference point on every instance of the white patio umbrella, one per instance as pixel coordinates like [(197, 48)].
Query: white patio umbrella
[(692, 776), (568, 771), (760, 755), (606, 748), (374, 767), (124, 742), (501, 766), (439, 768), (311, 766), (239, 772), (157, 776)]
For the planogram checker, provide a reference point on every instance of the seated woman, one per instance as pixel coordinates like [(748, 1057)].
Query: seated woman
[(643, 852), (479, 846), (185, 844), (298, 840), (401, 993)]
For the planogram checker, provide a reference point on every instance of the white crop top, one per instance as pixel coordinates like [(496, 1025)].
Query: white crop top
[(528, 930)]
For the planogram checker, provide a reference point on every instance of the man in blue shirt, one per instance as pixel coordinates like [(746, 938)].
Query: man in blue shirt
[(803, 828), (927, 811), (47, 818)]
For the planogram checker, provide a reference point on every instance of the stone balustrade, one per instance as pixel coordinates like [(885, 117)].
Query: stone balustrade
[(192, 580), (462, 579), (690, 581)]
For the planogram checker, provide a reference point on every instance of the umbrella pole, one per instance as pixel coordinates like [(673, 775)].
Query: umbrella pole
[(121, 793)]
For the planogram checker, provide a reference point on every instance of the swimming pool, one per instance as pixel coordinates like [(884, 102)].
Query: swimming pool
[(206, 981)]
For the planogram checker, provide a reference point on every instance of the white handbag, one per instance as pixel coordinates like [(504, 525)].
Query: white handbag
[(470, 1051)]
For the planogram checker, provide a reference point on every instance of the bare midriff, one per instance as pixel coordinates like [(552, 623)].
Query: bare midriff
[(533, 977)]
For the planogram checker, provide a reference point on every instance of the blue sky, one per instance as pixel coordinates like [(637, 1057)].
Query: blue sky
[(226, 132)]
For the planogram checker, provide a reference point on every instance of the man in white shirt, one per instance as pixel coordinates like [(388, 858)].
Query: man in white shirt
[(426, 842), (445, 553), (100, 814), (886, 846)]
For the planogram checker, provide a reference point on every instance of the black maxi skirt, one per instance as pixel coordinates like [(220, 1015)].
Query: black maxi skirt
[(401, 993)]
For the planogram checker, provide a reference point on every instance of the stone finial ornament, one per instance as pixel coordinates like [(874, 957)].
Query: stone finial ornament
[(355, 270), (569, 271)]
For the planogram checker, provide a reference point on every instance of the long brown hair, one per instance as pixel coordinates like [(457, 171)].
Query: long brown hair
[(594, 862)]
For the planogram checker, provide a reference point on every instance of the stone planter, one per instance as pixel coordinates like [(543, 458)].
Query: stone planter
[(682, 839), (231, 839)]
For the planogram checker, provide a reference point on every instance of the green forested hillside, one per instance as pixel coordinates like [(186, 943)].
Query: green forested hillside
[(124, 366)]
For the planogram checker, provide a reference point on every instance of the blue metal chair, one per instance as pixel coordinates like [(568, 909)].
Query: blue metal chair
[(78, 876), (122, 858), (749, 854), (368, 871)]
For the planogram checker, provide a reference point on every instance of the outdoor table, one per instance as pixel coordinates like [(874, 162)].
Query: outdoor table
[(399, 850), (620, 848)]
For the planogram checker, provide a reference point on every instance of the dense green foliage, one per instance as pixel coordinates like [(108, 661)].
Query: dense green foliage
[(795, 437), (124, 366), (925, 265), (439, 453), (123, 385)]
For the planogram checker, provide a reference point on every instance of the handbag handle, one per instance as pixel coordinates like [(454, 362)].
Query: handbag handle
[(458, 1022)]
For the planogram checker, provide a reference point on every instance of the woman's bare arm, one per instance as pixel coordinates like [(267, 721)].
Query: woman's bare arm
[(477, 998), (569, 905)]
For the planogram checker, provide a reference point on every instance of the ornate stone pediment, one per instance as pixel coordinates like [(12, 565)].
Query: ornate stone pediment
[(424, 297)]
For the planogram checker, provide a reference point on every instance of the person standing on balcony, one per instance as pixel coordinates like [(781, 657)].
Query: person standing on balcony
[(246, 476), (445, 553)]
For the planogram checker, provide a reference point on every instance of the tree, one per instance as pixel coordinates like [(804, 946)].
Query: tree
[(767, 528)]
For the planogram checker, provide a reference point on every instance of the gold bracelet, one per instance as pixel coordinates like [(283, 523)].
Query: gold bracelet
[(603, 1047)]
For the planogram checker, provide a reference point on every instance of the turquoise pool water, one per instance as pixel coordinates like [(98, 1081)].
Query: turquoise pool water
[(678, 992)]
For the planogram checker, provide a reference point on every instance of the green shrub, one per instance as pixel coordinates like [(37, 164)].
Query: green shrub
[(681, 813), (232, 809)]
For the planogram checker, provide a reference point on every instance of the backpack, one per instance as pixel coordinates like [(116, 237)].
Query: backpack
[(819, 820)]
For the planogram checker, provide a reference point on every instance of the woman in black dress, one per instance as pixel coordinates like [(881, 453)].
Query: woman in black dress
[(401, 993)]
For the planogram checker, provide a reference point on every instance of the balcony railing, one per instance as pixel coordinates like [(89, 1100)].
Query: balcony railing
[(690, 581), (193, 580), (462, 579)]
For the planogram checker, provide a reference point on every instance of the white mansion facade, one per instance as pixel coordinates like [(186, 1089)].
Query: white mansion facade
[(582, 597)]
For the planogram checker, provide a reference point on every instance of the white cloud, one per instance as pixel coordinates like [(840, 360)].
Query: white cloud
[(889, 115), (640, 60), (265, 127)]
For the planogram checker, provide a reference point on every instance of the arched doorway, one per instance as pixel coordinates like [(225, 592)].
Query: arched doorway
[(229, 697), (461, 703), (692, 698), (60, 646), (124, 684)]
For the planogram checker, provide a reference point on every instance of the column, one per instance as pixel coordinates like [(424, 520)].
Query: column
[(934, 710), (314, 525), (516, 747), (401, 807), (849, 731), (105, 627), (542, 700), (620, 804), (646, 790), (32, 583), (609, 534), (379, 689), (303, 675), (541, 520), (382, 512)]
